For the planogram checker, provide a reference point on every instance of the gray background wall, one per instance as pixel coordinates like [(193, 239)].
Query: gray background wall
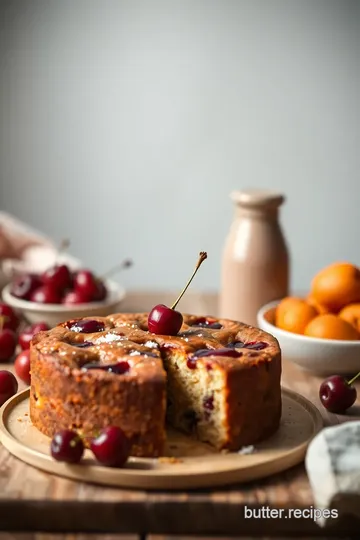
[(124, 125)]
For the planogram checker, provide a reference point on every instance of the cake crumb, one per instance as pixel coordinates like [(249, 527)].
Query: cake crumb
[(19, 419), (26, 414), (170, 460), (247, 450)]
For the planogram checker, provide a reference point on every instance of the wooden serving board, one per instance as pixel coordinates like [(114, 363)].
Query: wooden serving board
[(188, 464)]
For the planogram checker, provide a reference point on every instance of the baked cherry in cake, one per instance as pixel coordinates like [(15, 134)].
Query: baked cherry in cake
[(204, 322), (88, 326)]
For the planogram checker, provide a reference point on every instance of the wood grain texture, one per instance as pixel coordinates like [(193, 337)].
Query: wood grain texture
[(31, 500)]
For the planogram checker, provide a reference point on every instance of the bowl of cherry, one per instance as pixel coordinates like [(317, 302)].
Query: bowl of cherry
[(60, 294), (320, 356)]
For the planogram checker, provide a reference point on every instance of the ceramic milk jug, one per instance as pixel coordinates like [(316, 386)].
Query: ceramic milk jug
[(255, 265)]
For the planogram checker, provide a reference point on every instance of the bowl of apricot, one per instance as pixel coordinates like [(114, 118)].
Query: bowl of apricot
[(320, 331)]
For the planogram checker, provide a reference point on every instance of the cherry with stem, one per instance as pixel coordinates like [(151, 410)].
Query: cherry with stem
[(337, 394), (166, 321), (64, 246), (87, 287)]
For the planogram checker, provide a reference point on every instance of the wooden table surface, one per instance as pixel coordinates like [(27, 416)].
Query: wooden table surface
[(31, 500)]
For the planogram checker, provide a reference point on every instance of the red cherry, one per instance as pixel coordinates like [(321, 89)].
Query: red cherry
[(166, 321), (25, 337), (23, 286), (67, 446), (58, 276), (72, 298), (11, 320), (111, 448), (85, 282), (101, 291), (337, 394), (22, 366), (46, 295), (29, 332), (7, 344), (8, 386), (39, 327)]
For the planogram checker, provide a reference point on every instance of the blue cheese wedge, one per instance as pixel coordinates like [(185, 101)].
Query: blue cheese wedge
[(333, 466)]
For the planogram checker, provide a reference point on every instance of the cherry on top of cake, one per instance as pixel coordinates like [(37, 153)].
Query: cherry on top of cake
[(163, 320)]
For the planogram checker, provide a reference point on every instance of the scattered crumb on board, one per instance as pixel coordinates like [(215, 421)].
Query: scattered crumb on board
[(247, 450), (170, 460)]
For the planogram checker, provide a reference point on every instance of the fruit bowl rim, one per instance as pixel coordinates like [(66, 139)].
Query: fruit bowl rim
[(291, 335), (116, 294)]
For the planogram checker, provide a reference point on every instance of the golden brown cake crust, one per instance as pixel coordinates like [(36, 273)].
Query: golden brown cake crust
[(68, 390)]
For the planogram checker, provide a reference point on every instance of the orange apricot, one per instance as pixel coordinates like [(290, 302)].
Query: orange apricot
[(351, 314), (336, 286), (293, 314), (330, 326), (286, 303), (319, 307)]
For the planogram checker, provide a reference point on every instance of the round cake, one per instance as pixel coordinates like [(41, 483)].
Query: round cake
[(217, 379)]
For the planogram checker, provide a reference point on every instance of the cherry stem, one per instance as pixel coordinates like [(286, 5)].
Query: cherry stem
[(64, 245), (125, 264), (353, 379), (202, 257)]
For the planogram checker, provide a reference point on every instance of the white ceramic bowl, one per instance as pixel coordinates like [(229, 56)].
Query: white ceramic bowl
[(320, 356), (53, 314)]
